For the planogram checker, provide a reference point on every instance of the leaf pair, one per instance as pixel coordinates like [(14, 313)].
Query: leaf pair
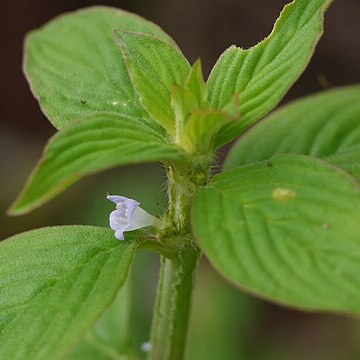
[(291, 229), (80, 77), (76, 70)]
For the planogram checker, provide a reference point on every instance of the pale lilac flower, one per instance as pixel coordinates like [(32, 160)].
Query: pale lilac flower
[(128, 216), (146, 347)]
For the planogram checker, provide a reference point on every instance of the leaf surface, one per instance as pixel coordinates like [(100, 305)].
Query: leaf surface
[(201, 128), (325, 126), (287, 230), (75, 67), (110, 337), (55, 283), (95, 143), (196, 85), (154, 67), (262, 75)]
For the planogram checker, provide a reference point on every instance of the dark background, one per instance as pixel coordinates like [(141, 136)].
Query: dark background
[(202, 28)]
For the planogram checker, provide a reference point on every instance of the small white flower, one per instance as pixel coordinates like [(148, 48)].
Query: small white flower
[(128, 216)]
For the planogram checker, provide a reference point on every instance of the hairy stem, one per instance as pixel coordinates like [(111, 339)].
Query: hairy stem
[(172, 307), (174, 292)]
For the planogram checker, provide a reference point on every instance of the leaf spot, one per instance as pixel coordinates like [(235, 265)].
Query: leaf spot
[(282, 194), (326, 226)]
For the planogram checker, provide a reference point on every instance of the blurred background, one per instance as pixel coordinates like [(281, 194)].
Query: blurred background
[(226, 323)]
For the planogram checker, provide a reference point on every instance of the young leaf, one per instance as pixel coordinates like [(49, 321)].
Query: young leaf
[(154, 67), (183, 103), (196, 85), (286, 229), (55, 282), (95, 143), (201, 128), (75, 67), (262, 74), (325, 125)]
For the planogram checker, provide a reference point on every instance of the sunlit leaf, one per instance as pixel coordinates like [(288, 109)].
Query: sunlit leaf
[(75, 67), (325, 125), (154, 67), (263, 74), (95, 143), (110, 336), (55, 283), (287, 230)]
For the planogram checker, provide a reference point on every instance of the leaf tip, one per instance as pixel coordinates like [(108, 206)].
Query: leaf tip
[(16, 210)]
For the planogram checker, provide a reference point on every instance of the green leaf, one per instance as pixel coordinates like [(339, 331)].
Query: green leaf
[(95, 143), (186, 99), (286, 229), (263, 74), (75, 67), (109, 338), (86, 351), (196, 85), (154, 67), (348, 159), (55, 283), (325, 126), (183, 103), (201, 128)]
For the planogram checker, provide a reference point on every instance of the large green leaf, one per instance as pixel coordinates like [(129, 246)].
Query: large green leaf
[(154, 67), (286, 229), (263, 74), (55, 282), (326, 125), (75, 66), (110, 337), (348, 159), (95, 143)]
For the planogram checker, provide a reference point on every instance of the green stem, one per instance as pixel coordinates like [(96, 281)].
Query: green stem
[(172, 307), (174, 293)]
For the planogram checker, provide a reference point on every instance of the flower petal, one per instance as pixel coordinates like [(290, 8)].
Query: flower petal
[(141, 219), (117, 198), (128, 216), (119, 234)]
